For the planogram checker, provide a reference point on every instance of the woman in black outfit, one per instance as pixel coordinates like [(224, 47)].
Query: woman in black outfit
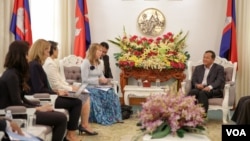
[(14, 81), (39, 84), (13, 86)]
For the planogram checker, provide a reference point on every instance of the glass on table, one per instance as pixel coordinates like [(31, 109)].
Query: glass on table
[(158, 83), (139, 82), (31, 120)]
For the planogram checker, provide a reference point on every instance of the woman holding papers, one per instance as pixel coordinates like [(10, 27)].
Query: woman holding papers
[(12, 132), (57, 82), (105, 104), (6, 124)]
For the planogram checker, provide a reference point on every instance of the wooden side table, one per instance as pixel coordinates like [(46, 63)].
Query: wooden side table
[(136, 91), (151, 75)]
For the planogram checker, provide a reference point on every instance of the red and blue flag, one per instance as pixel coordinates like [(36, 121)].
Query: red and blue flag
[(20, 21), (228, 48), (82, 31)]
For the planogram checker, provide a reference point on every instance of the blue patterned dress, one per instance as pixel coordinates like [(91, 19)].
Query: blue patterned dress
[(105, 105)]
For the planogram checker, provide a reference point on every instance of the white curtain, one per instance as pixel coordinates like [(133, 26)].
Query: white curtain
[(54, 20), (243, 36), (65, 26), (6, 37)]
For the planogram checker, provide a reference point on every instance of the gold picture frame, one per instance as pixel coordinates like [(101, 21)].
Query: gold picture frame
[(151, 22)]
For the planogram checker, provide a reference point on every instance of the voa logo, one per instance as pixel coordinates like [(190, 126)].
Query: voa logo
[(236, 132)]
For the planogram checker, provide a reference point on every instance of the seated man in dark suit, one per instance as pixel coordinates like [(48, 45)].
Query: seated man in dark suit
[(107, 70), (208, 80)]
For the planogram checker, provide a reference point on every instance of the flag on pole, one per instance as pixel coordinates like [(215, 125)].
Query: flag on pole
[(82, 31), (20, 22), (228, 48)]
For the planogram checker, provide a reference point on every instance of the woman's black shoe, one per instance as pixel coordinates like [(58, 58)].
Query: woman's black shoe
[(138, 124), (82, 129)]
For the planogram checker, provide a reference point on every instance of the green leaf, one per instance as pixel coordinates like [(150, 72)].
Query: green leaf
[(161, 133), (117, 55), (113, 42), (180, 133), (161, 127), (200, 127), (181, 41), (187, 54)]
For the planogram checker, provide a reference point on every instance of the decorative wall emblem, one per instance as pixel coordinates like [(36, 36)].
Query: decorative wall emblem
[(151, 22)]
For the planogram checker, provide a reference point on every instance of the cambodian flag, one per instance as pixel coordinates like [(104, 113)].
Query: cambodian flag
[(20, 22), (228, 48), (82, 31)]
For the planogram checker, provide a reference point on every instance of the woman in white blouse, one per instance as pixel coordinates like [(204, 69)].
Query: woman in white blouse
[(57, 82)]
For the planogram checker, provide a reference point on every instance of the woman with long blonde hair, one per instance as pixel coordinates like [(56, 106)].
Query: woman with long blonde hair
[(40, 84), (105, 105)]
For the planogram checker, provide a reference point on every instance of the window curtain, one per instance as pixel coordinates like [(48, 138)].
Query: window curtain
[(6, 37), (243, 36), (64, 24), (59, 26)]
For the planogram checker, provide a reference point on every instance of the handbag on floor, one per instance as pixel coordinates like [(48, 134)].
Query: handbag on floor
[(126, 111)]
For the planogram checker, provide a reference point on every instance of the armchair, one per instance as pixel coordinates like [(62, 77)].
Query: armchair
[(227, 101), (70, 68)]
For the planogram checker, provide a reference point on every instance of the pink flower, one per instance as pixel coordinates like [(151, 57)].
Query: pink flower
[(177, 110)]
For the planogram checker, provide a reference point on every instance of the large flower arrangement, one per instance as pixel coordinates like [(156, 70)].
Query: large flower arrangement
[(164, 52), (163, 114)]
